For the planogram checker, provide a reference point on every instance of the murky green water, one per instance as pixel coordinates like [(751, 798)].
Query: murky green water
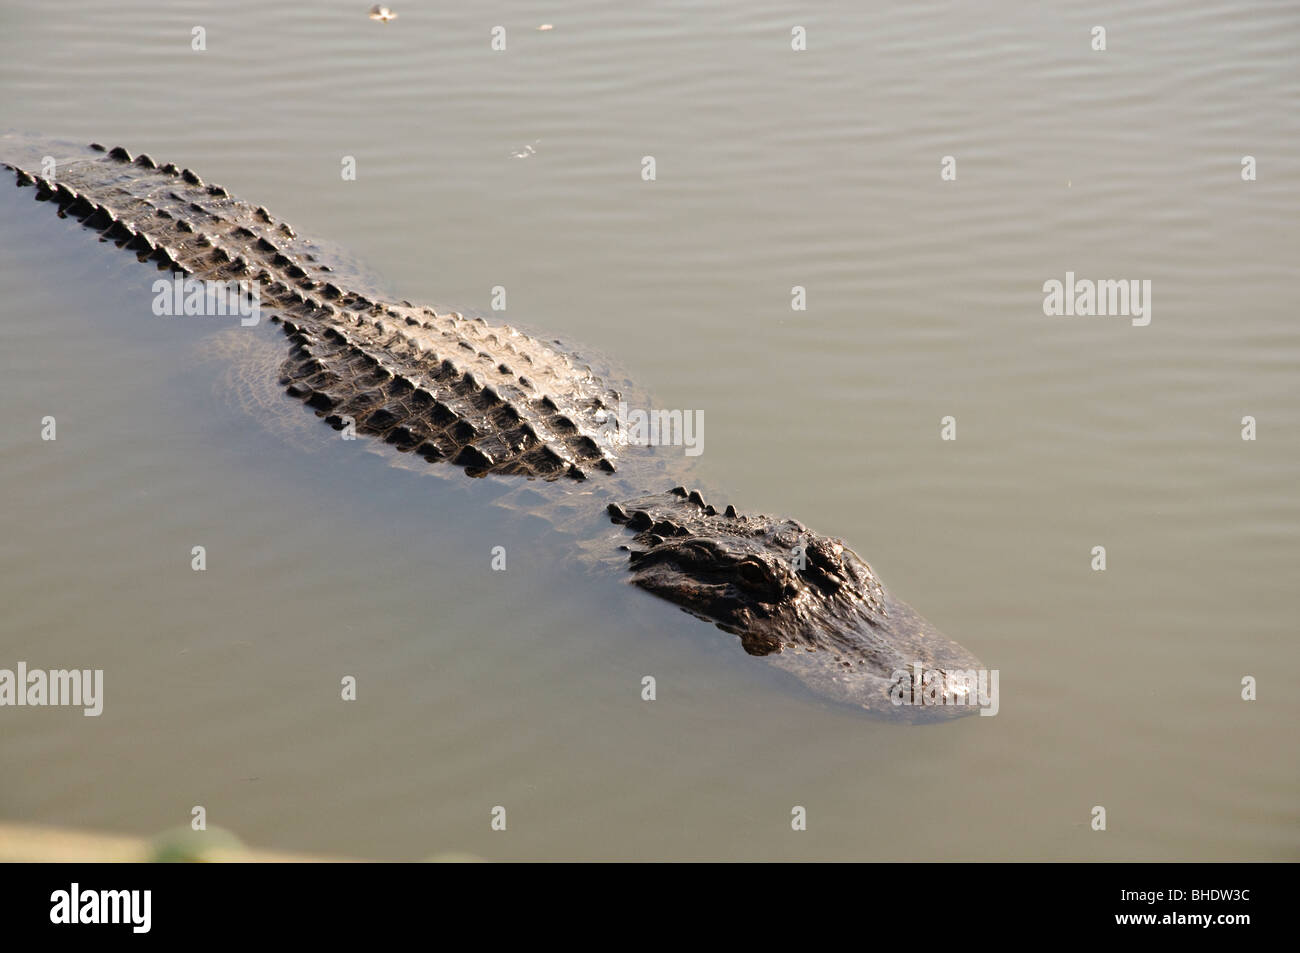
[(820, 169)]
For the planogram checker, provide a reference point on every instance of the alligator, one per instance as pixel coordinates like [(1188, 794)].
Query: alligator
[(492, 401)]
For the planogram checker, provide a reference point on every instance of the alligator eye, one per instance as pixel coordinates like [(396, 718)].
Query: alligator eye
[(699, 552), (753, 576)]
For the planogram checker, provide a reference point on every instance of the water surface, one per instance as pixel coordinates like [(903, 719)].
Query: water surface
[(774, 169)]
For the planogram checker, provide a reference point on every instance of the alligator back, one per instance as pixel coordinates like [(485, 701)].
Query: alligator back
[(486, 398)]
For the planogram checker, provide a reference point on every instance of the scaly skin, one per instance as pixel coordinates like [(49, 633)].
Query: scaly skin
[(492, 400)]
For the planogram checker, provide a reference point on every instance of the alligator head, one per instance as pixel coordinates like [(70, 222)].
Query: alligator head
[(805, 601)]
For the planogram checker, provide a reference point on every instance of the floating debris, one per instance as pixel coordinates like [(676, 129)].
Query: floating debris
[(382, 14), (526, 151), (546, 26)]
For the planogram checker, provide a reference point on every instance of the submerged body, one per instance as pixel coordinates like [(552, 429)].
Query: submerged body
[(492, 400)]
